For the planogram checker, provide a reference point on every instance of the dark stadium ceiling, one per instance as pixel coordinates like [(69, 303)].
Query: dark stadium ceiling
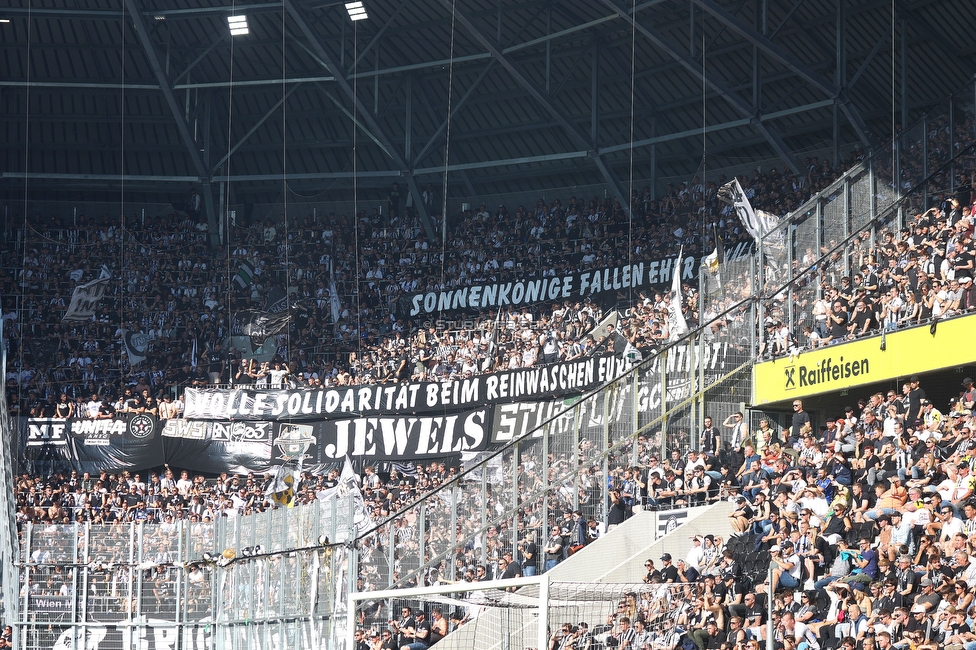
[(539, 92)]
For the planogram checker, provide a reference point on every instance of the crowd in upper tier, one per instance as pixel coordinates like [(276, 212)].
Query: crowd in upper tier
[(168, 284)]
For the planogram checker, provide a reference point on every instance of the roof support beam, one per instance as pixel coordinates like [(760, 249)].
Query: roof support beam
[(454, 109), (139, 22), (578, 139), (766, 46), (254, 128), (188, 86), (361, 111), (794, 65), (377, 37), (694, 68)]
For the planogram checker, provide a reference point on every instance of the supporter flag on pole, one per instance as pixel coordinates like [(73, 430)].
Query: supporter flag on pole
[(334, 303), (760, 225), (261, 325), (348, 485), (713, 265), (281, 488), (245, 275), (84, 300), (136, 344), (677, 327)]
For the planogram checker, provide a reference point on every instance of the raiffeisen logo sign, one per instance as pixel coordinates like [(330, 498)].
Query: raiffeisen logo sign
[(861, 362), (828, 370)]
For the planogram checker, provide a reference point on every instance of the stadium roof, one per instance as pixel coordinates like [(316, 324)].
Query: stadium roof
[(541, 93)]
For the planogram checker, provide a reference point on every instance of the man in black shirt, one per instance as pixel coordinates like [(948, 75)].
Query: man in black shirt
[(419, 634), (618, 510), (512, 569), (710, 438), (215, 364), (800, 418), (837, 322), (669, 573), (915, 397), (400, 626)]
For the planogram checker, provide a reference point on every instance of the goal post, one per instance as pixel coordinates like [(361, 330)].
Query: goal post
[(531, 613), (525, 599)]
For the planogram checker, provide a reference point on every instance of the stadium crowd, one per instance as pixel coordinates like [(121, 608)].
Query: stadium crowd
[(167, 284), (865, 527), (890, 467)]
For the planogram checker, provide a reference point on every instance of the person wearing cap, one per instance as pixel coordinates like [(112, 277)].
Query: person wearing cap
[(418, 634), (931, 419), (554, 549), (968, 397), (928, 598), (669, 572), (697, 486), (512, 568), (375, 640), (786, 566), (964, 486)]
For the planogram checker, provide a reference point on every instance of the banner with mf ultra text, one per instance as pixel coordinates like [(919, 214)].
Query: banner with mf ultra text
[(527, 384), (121, 442), (529, 290), (858, 363)]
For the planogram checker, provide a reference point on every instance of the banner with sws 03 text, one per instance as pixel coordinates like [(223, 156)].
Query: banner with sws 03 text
[(866, 361), (525, 384), (51, 445)]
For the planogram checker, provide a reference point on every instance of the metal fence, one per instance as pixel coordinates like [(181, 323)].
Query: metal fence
[(264, 581)]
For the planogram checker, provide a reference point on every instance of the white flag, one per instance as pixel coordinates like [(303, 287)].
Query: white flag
[(84, 300), (761, 225), (677, 326)]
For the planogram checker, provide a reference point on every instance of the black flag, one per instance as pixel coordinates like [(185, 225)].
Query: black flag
[(260, 325)]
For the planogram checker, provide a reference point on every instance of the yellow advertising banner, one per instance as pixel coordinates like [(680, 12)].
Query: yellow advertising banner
[(836, 367)]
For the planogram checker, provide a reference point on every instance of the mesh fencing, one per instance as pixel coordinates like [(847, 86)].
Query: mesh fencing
[(81, 586)]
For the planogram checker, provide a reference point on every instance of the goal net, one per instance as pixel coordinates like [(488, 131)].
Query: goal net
[(525, 614)]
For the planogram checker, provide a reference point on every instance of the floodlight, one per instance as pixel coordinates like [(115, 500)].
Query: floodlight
[(4, 20), (356, 10), (238, 25)]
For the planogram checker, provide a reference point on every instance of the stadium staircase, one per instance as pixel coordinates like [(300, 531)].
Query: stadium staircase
[(616, 557)]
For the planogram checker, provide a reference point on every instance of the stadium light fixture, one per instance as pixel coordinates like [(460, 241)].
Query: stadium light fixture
[(357, 11), (4, 21), (238, 25)]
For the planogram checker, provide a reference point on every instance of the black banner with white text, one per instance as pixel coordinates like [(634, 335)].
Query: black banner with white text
[(526, 384), (527, 291), (433, 421)]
